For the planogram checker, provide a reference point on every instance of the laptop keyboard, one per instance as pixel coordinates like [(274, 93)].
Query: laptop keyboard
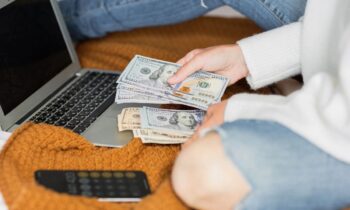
[(80, 105)]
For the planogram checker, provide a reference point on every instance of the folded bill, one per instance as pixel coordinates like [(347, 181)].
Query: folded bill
[(151, 136), (130, 119), (183, 121), (148, 77), (149, 140)]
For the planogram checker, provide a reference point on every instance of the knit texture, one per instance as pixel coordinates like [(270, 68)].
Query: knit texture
[(40, 146)]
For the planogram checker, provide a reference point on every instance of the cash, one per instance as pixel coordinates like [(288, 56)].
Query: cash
[(126, 96), (183, 121), (145, 81), (160, 126), (129, 119)]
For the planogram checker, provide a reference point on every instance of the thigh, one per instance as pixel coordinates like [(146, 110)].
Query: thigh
[(269, 14), (204, 178), (92, 18), (284, 170)]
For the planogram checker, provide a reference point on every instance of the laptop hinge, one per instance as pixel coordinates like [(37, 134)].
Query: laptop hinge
[(32, 111)]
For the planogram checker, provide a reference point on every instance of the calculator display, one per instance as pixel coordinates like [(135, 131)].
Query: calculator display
[(124, 186)]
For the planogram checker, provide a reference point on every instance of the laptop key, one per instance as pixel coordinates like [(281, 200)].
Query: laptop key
[(70, 126), (79, 129), (50, 120), (74, 121)]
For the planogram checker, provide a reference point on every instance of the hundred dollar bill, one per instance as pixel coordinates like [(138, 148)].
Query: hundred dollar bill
[(202, 85), (125, 96), (200, 89), (184, 121), (129, 119)]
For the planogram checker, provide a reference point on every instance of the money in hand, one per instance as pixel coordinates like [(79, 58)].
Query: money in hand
[(147, 79)]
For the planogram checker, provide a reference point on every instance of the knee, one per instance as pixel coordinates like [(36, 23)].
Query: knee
[(204, 178)]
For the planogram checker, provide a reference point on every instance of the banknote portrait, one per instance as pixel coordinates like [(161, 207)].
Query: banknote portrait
[(182, 121), (159, 78)]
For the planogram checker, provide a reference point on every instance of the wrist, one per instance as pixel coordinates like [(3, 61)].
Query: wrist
[(237, 67), (242, 61)]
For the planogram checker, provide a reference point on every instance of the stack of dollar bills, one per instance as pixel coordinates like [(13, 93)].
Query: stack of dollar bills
[(160, 126), (145, 81)]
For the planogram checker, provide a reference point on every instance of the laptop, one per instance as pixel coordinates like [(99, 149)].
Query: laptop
[(42, 81)]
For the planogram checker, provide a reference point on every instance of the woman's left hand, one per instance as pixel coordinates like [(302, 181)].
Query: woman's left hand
[(214, 117)]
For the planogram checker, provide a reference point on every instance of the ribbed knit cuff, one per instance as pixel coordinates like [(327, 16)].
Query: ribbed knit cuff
[(272, 56), (251, 106)]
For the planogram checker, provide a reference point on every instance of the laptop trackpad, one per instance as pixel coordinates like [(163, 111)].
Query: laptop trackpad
[(104, 131)]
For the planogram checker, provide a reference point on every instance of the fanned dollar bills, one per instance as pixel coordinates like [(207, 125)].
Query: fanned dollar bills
[(145, 81), (160, 126)]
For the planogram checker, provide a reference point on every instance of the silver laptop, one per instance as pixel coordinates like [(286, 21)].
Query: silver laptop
[(41, 79)]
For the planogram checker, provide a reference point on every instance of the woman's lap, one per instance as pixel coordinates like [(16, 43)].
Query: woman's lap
[(284, 170)]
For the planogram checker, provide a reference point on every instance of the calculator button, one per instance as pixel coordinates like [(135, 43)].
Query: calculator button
[(107, 174), (133, 188), (108, 181), (120, 181), (95, 174), (70, 177), (72, 189), (133, 181), (110, 187), (118, 174), (83, 174), (121, 187), (96, 180), (85, 187), (98, 187), (84, 181), (130, 175)]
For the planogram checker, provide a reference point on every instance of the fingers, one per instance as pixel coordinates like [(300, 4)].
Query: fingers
[(192, 63), (185, 71), (189, 56)]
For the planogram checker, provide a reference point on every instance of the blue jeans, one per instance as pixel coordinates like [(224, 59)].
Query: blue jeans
[(284, 170), (96, 18)]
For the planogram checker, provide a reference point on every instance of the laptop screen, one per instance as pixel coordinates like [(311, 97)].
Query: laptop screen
[(32, 50)]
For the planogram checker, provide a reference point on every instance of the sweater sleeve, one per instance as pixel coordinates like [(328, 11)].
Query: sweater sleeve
[(273, 55)]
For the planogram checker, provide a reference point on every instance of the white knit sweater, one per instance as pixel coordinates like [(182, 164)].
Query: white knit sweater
[(319, 48)]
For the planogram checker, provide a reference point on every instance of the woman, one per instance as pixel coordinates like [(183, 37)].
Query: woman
[(275, 152), (261, 152)]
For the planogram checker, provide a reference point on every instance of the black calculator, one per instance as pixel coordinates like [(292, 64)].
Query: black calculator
[(113, 186)]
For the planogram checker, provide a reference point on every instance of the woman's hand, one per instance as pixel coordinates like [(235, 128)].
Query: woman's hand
[(214, 117), (226, 60)]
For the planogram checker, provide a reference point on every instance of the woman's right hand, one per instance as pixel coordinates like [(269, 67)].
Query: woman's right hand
[(226, 60)]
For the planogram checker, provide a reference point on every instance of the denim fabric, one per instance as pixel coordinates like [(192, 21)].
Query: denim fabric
[(285, 170), (95, 18)]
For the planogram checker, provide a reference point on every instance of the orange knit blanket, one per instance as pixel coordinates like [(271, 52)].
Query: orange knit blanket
[(41, 146)]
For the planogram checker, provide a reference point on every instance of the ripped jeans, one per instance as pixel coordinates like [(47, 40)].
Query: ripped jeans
[(96, 18)]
